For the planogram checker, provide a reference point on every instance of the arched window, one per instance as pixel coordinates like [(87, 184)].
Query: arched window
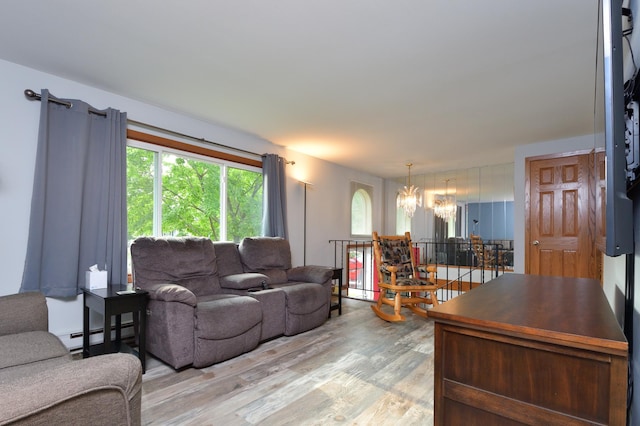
[(361, 209)]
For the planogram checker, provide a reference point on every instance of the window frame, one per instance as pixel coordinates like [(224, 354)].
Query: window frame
[(191, 148), (368, 221)]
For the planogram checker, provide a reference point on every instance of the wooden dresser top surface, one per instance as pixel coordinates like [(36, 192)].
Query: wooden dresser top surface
[(571, 311)]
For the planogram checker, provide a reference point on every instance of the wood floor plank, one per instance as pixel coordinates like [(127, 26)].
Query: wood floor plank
[(355, 369)]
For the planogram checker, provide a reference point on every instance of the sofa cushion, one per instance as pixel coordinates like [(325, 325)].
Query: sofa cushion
[(189, 262), (273, 305), (23, 312), (265, 253), (307, 307), (226, 326), (275, 276), (98, 390), (224, 316), (228, 258), (29, 347), (304, 298), (33, 368), (244, 281)]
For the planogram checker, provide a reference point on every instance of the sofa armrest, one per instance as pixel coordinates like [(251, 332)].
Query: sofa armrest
[(310, 274), (172, 293), (99, 390), (245, 281), (23, 312)]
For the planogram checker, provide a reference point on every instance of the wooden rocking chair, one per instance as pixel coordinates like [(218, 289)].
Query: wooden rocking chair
[(399, 279), (485, 256)]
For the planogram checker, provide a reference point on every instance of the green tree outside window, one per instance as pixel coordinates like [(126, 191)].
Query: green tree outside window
[(191, 191)]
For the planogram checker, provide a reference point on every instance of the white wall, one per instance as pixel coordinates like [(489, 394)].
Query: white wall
[(328, 200), (328, 206)]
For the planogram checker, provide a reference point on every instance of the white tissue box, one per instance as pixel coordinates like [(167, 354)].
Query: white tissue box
[(95, 280)]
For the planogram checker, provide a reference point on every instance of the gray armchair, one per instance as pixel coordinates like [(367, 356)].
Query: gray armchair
[(40, 383)]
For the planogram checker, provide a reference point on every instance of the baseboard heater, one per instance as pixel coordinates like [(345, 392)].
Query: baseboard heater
[(99, 330)]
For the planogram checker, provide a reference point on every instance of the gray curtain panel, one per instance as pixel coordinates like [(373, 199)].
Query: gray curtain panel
[(78, 209), (274, 219)]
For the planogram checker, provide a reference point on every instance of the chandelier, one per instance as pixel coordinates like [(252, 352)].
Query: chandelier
[(444, 206), (410, 197)]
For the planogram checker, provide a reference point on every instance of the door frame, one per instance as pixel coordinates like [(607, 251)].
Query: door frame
[(594, 267)]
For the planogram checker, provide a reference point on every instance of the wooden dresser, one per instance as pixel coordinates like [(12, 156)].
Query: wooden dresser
[(526, 349)]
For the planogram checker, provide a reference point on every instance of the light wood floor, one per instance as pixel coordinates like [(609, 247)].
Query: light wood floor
[(356, 369)]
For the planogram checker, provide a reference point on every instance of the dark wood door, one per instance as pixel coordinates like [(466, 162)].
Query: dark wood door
[(560, 232)]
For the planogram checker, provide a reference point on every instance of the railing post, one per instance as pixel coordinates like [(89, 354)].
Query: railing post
[(496, 259)]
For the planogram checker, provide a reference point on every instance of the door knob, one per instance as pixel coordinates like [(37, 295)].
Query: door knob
[(536, 243)]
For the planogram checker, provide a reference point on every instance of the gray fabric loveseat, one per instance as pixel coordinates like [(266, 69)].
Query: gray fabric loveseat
[(40, 383), (209, 302)]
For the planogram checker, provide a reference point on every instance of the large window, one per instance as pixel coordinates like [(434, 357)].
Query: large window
[(175, 193)]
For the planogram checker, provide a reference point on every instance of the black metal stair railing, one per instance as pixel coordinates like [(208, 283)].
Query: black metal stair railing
[(459, 267)]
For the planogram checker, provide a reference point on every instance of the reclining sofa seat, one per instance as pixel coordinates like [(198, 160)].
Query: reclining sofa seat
[(234, 280), (191, 321), (294, 300)]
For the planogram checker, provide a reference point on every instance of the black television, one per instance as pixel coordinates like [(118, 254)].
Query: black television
[(611, 118)]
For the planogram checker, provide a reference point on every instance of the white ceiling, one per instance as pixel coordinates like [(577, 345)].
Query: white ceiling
[(369, 84)]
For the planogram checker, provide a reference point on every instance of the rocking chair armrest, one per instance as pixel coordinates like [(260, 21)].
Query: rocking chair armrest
[(428, 268), (390, 268)]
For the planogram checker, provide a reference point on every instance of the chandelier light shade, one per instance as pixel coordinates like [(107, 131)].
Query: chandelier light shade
[(444, 206), (410, 197)]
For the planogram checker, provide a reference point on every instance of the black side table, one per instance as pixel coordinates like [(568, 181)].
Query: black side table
[(337, 275), (109, 303)]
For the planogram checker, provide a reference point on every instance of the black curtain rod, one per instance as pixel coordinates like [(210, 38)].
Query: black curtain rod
[(193, 138), (33, 96)]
